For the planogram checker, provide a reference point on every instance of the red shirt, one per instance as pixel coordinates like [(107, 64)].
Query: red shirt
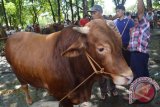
[(83, 21)]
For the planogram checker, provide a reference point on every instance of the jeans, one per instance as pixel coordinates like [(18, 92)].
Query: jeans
[(139, 64)]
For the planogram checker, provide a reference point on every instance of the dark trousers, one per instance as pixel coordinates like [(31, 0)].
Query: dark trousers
[(139, 64), (126, 55)]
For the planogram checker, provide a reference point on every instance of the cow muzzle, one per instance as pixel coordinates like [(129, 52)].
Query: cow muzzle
[(124, 77), (122, 80), (117, 78)]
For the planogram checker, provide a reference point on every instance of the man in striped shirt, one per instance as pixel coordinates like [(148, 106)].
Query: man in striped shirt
[(138, 44)]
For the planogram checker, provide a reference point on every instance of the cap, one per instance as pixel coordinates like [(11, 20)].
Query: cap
[(97, 8), (120, 6)]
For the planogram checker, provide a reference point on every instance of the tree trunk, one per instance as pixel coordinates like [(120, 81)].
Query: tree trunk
[(117, 2), (20, 12), (149, 4), (35, 15), (65, 12), (123, 2), (53, 15), (85, 8), (59, 11), (5, 16), (2, 32), (72, 17), (77, 7), (92, 3)]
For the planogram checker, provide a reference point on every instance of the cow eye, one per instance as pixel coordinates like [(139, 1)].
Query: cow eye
[(101, 49)]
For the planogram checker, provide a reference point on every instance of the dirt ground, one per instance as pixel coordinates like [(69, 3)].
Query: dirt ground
[(12, 96)]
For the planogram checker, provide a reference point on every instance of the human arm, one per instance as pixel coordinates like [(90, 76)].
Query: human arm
[(112, 25), (140, 8)]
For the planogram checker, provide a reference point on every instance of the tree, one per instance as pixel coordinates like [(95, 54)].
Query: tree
[(53, 15), (20, 12), (4, 12), (85, 7), (70, 2), (35, 11), (156, 4), (92, 3), (117, 2), (11, 12), (77, 7), (149, 4), (59, 11), (23, 12), (65, 9)]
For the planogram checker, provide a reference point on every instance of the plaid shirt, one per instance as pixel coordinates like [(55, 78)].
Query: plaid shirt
[(139, 37)]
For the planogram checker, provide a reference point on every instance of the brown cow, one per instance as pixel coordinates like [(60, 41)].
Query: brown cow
[(58, 63)]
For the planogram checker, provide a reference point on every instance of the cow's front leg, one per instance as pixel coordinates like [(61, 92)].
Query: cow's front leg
[(26, 91)]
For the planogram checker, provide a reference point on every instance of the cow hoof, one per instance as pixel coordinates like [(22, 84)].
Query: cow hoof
[(103, 97), (29, 101)]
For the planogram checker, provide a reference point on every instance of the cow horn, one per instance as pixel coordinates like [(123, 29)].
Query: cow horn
[(83, 30)]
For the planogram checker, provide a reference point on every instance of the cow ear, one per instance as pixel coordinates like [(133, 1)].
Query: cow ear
[(75, 49)]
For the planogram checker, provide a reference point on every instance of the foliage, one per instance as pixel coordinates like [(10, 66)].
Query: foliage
[(156, 4), (10, 8), (23, 12), (132, 8), (100, 2), (1, 13)]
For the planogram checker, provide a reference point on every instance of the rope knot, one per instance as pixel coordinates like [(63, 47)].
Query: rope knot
[(101, 71)]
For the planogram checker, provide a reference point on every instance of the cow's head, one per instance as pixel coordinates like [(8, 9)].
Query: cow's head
[(105, 46)]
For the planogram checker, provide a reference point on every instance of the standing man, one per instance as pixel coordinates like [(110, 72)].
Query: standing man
[(124, 25), (138, 45), (84, 20), (97, 13), (106, 85)]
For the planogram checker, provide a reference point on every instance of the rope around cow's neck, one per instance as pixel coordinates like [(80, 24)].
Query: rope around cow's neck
[(101, 71), (90, 59)]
